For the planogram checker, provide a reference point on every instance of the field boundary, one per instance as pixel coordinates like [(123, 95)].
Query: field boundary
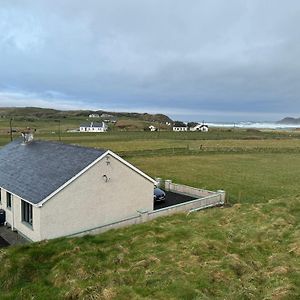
[(204, 150)]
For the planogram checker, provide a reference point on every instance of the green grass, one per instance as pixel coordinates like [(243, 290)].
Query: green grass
[(246, 178), (243, 252)]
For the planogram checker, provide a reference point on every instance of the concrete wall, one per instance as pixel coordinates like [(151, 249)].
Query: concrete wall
[(197, 204), (209, 201), (14, 217), (106, 193), (186, 190)]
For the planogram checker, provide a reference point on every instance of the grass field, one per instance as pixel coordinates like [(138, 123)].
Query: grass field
[(247, 178), (248, 251), (244, 252)]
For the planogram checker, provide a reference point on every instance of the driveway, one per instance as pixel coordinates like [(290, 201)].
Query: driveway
[(3, 242), (9, 237), (173, 199)]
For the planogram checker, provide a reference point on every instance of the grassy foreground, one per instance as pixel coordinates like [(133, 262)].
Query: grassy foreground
[(243, 252)]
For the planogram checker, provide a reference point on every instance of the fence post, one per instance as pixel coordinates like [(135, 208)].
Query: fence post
[(158, 180)]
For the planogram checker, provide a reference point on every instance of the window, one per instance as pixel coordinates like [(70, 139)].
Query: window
[(8, 199), (26, 212), (0, 195)]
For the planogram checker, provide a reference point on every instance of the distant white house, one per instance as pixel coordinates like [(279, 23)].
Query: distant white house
[(93, 127), (180, 126), (152, 128), (200, 127), (93, 116)]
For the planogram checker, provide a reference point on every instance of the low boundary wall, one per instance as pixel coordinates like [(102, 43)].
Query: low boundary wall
[(188, 190), (206, 199)]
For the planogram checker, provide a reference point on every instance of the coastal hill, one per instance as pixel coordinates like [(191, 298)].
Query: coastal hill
[(47, 113), (290, 121)]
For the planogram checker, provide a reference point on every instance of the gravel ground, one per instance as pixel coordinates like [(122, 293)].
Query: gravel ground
[(12, 237)]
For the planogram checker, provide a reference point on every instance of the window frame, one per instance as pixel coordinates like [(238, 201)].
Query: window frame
[(9, 198), (26, 213)]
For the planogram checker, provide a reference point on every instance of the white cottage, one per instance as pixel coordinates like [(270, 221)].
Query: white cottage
[(93, 116), (200, 127), (179, 128), (153, 128), (49, 189), (93, 127)]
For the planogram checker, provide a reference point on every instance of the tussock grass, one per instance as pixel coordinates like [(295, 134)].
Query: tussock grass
[(247, 251)]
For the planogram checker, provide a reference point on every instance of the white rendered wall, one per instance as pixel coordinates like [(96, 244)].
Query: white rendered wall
[(93, 199), (14, 217)]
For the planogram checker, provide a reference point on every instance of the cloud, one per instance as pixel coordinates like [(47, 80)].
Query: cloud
[(23, 99), (197, 56)]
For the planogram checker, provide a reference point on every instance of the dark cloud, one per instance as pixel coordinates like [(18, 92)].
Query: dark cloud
[(192, 58)]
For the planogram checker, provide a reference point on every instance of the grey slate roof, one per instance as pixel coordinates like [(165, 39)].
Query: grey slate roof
[(35, 170)]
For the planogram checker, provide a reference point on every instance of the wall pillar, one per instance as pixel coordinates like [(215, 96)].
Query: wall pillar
[(222, 195), (159, 181), (167, 184)]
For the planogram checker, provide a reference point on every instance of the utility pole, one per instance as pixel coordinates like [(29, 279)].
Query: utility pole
[(10, 129), (59, 133)]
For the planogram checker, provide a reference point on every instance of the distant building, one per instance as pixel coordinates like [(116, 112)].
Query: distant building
[(180, 126), (93, 127), (107, 116), (191, 125), (200, 127), (204, 128), (153, 128), (93, 116), (111, 120)]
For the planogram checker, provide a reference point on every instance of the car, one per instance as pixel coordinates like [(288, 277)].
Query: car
[(159, 195)]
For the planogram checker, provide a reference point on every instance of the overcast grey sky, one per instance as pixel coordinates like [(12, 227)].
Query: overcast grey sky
[(214, 60)]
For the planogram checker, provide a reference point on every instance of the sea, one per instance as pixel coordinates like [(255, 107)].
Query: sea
[(255, 125)]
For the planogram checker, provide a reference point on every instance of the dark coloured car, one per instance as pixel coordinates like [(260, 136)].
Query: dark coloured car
[(159, 195)]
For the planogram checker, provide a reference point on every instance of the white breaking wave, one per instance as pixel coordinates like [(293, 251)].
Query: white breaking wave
[(255, 125)]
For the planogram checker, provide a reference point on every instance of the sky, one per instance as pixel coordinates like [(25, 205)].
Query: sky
[(213, 60)]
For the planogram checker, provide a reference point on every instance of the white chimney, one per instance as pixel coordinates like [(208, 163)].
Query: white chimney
[(27, 136)]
